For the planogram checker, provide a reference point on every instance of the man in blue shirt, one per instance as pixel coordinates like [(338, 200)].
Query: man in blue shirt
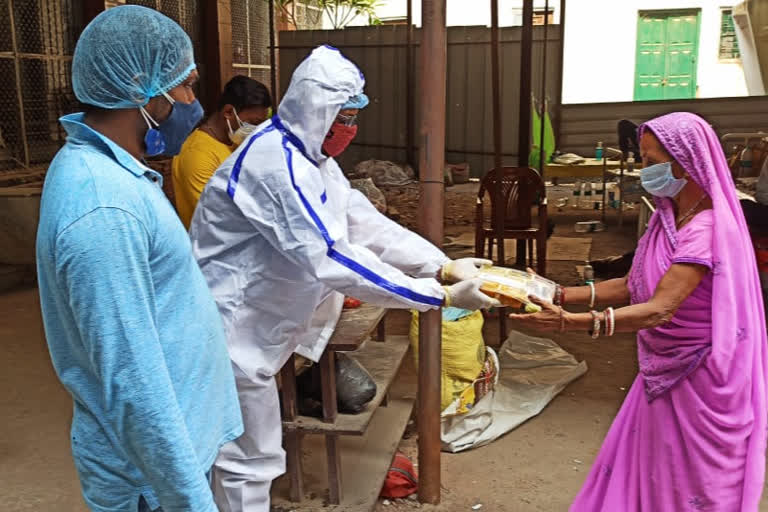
[(133, 331)]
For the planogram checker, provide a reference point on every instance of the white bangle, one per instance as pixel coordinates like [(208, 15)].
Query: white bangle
[(592, 295), (613, 321)]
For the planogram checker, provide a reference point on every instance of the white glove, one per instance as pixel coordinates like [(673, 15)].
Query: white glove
[(467, 295), (463, 269)]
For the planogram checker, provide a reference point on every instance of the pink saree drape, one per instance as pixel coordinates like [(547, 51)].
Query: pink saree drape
[(691, 434)]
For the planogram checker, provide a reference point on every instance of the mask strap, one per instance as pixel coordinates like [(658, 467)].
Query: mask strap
[(169, 98), (148, 119), (239, 122)]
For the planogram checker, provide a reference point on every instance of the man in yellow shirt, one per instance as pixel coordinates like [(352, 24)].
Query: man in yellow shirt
[(244, 104)]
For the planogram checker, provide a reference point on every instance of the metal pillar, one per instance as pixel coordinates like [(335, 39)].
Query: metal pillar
[(433, 65), (273, 58), (496, 85), (217, 51), (559, 79), (409, 103), (543, 89), (524, 129), (500, 212)]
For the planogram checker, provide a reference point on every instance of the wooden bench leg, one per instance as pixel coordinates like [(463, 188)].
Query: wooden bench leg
[(334, 468), (381, 330), (292, 439), (294, 465), (328, 385), (288, 394)]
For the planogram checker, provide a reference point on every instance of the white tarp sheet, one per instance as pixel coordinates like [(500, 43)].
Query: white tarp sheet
[(532, 372)]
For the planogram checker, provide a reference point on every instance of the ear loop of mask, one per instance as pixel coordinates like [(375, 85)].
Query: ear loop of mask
[(237, 118), (153, 139), (148, 119), (151, 123)]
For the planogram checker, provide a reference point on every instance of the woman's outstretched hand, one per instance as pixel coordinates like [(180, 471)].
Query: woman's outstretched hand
[(549, 319)]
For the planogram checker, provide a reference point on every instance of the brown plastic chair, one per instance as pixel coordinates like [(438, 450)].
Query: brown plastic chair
[(513, 192)]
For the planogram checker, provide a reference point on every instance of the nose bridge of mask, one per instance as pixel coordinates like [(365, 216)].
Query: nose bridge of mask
[(657, 172)]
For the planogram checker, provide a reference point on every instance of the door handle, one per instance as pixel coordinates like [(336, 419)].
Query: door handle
[(664, 82)]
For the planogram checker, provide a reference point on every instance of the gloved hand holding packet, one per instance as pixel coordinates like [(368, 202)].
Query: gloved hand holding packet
[(513, 287), (463, 269), (467, 295)]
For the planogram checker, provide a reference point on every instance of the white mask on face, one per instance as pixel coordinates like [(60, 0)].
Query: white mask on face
[(243, 130)]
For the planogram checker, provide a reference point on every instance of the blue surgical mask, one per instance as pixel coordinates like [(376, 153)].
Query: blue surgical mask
[(167, 137), (659, 181)]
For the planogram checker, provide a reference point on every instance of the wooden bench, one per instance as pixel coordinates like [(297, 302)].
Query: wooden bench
[(371, 447)]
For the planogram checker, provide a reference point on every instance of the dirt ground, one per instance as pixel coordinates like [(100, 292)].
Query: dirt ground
[(538, 467)]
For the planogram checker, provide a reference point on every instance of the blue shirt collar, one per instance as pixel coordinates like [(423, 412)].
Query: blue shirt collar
[(80, 133)]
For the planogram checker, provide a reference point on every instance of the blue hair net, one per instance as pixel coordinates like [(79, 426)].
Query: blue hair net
[(129, 54)]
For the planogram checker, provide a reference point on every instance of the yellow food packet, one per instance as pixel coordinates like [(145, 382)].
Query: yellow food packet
[(513, 287)]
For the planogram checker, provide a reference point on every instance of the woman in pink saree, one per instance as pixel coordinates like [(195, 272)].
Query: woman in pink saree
[(691, 434)]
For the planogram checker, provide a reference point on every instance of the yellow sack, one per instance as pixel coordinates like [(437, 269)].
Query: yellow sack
[(463, 354)]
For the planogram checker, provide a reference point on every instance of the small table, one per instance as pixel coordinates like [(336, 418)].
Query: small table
[(590, 168)]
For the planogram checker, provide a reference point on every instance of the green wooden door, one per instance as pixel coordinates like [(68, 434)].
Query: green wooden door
[(667, 49)]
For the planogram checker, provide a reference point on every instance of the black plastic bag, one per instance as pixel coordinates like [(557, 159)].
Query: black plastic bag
[(354, 388), (354, 385)]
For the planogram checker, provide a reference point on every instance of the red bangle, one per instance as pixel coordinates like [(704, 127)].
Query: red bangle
[(595, 331), (559, 298)]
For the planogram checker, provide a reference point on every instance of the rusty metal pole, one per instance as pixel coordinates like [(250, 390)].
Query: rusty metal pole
[(409, 103), (273, 58), (543, 90), (524, 129), (500, 212), (495, 81), (432, 62), (559, 79)]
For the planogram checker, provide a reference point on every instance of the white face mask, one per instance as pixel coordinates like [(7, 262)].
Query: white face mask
[(243, 130)]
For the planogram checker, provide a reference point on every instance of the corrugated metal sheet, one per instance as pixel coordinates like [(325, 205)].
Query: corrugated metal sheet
[(584, 125), (381, 53)]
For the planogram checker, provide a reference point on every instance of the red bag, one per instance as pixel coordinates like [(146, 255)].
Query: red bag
[(402, 480)]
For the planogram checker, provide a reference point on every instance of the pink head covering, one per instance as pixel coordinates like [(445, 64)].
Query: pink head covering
[(737, 360)]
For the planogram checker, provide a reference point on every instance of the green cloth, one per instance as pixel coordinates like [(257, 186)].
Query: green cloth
[(533, 157), (549, 139)]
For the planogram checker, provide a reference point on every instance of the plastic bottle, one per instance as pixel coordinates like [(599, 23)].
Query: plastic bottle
[(597, 196), (745, 162), (631, 161), (587, 195), (599, 151), (576, 194), (589, 274)]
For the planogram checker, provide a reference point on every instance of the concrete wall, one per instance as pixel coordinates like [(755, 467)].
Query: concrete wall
[(600, 45)]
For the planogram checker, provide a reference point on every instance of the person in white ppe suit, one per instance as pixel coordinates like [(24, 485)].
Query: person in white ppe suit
[(281, 238)]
